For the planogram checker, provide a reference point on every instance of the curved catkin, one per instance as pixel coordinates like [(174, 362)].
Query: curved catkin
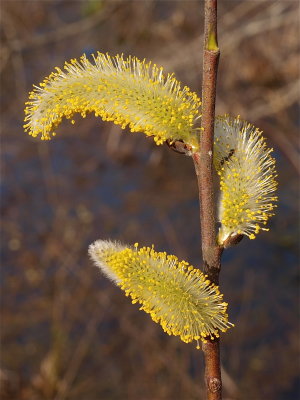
[(247, 178), (176, 295), (126, 91)]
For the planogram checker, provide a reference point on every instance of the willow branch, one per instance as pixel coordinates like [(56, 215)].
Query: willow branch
[(203, 161)]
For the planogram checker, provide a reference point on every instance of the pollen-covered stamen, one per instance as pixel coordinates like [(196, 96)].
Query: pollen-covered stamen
[(247, 178), (176, 295), (128, 92)]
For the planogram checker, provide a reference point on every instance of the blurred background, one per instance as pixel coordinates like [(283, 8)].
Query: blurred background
[(67, 332)]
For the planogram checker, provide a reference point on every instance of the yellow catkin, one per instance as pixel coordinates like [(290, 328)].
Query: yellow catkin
[(126, 91), (247, 178), (177, 296)]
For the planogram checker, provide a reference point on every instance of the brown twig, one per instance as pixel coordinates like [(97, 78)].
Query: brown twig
[(211, 252), (203, 158)]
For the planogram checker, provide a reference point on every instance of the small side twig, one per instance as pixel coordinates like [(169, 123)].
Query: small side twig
[(203, 161)]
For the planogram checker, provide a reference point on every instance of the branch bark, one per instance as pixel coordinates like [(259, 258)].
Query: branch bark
[(203, 161)]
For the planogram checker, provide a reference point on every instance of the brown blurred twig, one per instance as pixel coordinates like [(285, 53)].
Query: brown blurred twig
[(77, 358), (63, 32), (10, 32)]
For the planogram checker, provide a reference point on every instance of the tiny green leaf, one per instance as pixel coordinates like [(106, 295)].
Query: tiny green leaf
[(212, 42)]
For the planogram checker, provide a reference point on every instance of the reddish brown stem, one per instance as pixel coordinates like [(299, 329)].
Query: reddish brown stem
[(211, 351), (203, 161)]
